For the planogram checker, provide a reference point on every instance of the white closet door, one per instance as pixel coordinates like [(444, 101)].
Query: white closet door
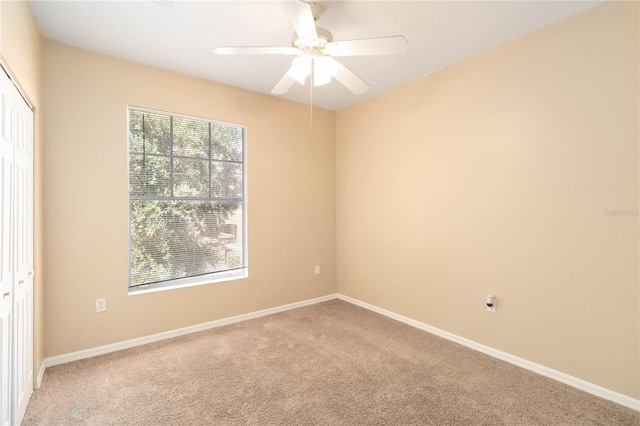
[(16, 253), (23, 280), (6, 245)]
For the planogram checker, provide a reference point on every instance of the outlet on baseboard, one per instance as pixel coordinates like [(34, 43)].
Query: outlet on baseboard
[(101, 305)]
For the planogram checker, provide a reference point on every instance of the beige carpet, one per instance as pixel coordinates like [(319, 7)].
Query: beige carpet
[(327, 364)]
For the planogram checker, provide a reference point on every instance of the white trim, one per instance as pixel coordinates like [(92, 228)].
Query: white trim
[(40, 375), (559, 376), (212, 278), (101, 350), (14, 79)]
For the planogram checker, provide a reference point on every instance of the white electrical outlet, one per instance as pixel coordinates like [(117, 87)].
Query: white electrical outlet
[(101, 305), (317, 269), (361, 272)]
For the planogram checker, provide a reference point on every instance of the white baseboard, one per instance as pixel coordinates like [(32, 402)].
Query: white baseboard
[(101, 350), (40, 375), (583, 385)]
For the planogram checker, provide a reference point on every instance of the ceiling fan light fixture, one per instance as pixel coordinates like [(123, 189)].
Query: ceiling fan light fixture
[(324, 69), (300, 68), (321, 81)]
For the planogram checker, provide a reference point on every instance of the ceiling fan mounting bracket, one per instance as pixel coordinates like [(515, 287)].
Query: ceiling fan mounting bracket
[(316, 10)]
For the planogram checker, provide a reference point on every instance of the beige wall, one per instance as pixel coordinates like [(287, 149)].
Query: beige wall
[(20, 51), (494, 176), (291, 199)]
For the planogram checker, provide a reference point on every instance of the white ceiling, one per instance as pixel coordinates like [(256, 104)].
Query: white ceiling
[(181, 36)]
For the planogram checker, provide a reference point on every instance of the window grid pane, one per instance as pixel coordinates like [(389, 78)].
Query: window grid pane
[(148, 175), (191, 178), (226, 179)]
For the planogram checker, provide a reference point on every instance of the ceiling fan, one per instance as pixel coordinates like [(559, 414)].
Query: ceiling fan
[(315, 51)]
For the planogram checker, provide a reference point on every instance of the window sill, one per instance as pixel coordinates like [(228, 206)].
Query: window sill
[(215, 278)]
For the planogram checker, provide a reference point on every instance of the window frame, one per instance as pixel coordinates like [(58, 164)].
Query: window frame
[(198, 280)]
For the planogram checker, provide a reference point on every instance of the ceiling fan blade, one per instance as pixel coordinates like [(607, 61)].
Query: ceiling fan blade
[(393, 45), (255, 50), (284, 84), (302, 17), (351, 81)]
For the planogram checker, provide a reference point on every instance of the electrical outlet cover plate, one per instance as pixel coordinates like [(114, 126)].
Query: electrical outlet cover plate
[(101, 305)]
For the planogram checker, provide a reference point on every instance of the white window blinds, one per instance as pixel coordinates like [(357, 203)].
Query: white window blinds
[(186, 199)]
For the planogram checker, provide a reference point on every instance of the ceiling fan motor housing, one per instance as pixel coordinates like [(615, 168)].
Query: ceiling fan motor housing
[(313, 47)]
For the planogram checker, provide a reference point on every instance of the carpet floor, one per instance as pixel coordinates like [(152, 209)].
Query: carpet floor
[(327, 364)]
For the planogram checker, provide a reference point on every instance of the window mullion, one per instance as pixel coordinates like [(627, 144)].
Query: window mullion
[(144, 141), (210, 163), (184, 198), (171, 156)]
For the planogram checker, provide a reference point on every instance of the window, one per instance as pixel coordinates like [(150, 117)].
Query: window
[(187, 211)]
